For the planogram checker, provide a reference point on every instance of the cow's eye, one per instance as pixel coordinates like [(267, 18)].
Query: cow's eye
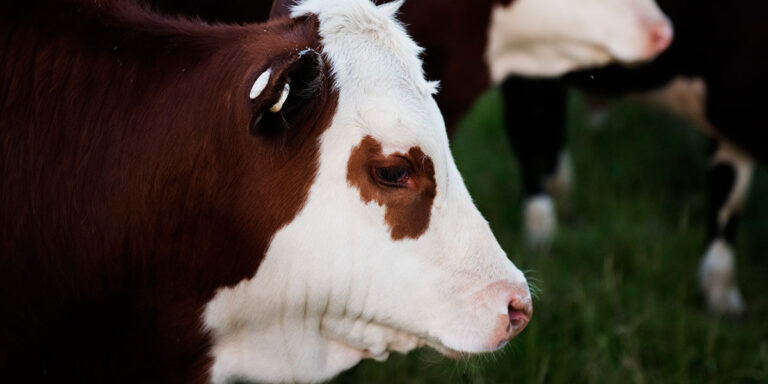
[(396, 177)]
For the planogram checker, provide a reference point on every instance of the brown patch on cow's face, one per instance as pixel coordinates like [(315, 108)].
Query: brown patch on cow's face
[(402, 182)]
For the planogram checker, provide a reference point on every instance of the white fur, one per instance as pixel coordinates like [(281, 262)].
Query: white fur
[(718, 280), (334, 287), (717, 271), (540, 219), (552, 37), (743, 165), (260, 83), (283, 96)]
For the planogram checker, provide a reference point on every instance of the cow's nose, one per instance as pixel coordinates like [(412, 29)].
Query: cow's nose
[(660, 37), (520, 311)]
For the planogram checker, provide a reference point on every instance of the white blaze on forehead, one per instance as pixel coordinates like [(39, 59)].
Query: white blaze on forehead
[(382, 89), (334, 287), (366, 45)]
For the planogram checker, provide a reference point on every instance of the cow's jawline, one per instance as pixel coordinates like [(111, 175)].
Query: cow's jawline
[(416, 340)]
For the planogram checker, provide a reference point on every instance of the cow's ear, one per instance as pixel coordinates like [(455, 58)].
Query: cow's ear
[(280, 92), (281, 8)]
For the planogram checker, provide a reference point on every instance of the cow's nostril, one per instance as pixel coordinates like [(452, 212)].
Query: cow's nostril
[(516, 318), (519, 316), (517, 299)]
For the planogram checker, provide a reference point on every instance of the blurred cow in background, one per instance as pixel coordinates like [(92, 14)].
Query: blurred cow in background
[(725, 44), (471, 44)]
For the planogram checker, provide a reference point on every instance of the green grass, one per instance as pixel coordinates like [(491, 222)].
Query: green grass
[(619, 301)]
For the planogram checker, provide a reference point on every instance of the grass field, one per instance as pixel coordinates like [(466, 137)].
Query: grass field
[(619, 301)]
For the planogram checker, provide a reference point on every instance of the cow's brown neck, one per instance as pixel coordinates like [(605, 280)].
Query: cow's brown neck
[(133, 187)]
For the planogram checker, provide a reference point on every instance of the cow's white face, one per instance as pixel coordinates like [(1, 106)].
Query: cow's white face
[(552, 37), (388, 252)]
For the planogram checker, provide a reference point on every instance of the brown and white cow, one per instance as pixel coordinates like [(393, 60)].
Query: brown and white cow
[(184, 202)]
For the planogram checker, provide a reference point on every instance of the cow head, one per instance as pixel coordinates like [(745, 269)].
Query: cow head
[(387, 252), (552, 37)]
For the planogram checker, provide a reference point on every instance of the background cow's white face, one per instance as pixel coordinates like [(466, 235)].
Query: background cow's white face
[(388, 252), (552, 37)]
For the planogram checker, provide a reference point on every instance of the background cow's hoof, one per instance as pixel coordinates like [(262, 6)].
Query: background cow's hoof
[(540, 220), (728, 303), (717, 280)]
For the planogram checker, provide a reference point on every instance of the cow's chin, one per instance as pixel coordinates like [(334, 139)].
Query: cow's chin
[(449, 352), (372, 340), (379, 340)]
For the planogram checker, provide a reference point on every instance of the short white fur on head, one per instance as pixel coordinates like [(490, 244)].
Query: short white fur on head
[(352, 28), (259, 85)]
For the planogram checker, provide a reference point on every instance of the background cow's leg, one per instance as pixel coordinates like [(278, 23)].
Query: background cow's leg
[(729, 178), (535, 119)]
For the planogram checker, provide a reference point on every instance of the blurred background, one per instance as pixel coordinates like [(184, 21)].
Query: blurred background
[(618, 296)]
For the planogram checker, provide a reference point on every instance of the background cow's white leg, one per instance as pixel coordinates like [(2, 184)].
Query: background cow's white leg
[(540, 220), (729, 179), (540, 212), (717, 278)]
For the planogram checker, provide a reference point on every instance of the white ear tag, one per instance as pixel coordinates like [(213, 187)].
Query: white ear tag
[(260, 84)]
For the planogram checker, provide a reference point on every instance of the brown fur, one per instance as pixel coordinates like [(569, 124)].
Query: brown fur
[(408, 208), (133, 187), (454, 49)]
